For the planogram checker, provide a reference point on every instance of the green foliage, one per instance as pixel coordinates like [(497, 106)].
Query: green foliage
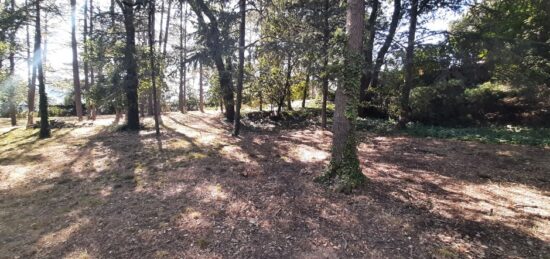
[(509, 36), (495, 134)]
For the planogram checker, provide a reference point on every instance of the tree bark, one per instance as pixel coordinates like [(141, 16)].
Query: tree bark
[(405, 111), (344, 165), (43, 99), (131, 77), (76, 75), (369, 48), (240, 78)]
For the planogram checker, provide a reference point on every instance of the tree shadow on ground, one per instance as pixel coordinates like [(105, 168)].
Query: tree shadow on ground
[(121, 196)]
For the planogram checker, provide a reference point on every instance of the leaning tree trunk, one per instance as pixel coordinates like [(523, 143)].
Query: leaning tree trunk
[(43, 99), (405, 112), (240, 78), (76, 76), (387, 43), (369, 48), (344, 170), (131, 77)]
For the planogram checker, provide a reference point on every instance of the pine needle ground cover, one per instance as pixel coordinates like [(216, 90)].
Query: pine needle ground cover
[(96, 192)]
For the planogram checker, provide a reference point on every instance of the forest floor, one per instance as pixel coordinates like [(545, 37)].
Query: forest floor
[(197, 192)]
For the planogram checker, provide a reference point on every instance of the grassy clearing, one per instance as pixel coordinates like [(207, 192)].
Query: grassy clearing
[(496, 134)]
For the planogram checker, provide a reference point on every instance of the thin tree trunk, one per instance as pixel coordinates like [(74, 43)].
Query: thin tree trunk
[(90, 34), (306, 89), (182, 69), (240, 69), (85, 39), (261, 101), (76, 76), (152, 62), (161, 25), (369, 48), (405, 112), (131, 77), (344, 164), (31, 73), (201, 90), (325, 78), (43, 99), (167, 28), (12, 102), (288, 89)]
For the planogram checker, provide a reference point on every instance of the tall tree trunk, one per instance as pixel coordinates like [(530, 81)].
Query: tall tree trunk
[(405, 109), (43, 99), (183, 53), (306, 89), (324, 52), (31, 78), (12, 102), (288, 90), (45, 44), (240, 75), (369, 48), (161, 34), (90, 34), (344, 165), (85, 46), (387, 42), (152, 63), (131, 77), (167, 29), (76, 76)]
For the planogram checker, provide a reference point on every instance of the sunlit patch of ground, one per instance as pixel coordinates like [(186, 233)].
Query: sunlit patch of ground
[(94, 192)]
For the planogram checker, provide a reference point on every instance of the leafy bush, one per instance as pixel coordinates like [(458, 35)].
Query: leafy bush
[(485, 97), (440, 103)]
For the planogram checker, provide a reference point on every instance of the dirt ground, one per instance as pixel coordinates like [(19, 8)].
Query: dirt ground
[(197, 192)]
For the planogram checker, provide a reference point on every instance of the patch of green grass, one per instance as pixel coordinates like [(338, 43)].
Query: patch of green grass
[(495, 134)]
